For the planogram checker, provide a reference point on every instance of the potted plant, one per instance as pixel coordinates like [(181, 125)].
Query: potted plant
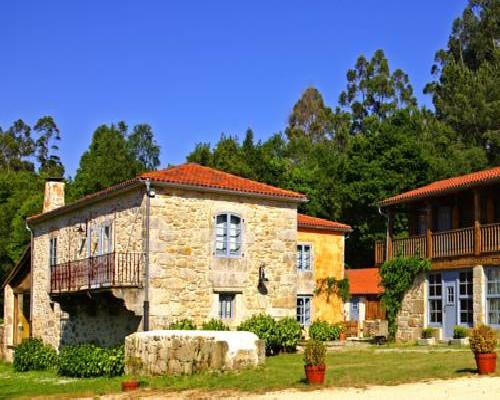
[(482, 343), (342, 333), (428, 337), (314, 361), (460, 336), (133, 366)]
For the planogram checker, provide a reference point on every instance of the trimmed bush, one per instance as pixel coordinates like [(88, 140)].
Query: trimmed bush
[(88, 360), (428, 333), (182, 325), (214, 325), (266, 328), (33, 355), (460, 332), (483, 340), (289, 333), (323, 331)]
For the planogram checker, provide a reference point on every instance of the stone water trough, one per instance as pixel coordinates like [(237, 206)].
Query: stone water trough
[(172, 352)]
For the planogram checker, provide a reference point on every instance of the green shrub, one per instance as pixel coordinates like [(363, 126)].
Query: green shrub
[(460, 332), (266, 328), (214, 325), (428, 333), (182, 325), (323, 331), (483, 340), (33, 355), (314, 353), (88, 360), (289, 332)]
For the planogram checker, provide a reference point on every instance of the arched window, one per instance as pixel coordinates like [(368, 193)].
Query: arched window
[(228, 235)]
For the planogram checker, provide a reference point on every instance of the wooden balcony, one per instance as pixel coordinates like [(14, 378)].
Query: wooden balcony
[(479, 240), (99, 272)]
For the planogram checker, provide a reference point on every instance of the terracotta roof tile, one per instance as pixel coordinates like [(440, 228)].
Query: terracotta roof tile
[(445, 186), (305, 221), (364, 281), (194, 175)]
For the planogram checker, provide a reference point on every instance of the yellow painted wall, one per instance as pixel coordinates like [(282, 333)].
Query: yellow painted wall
[(328, 259)]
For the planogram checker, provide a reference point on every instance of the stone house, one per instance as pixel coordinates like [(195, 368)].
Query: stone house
[(455, 223), (184, 242)]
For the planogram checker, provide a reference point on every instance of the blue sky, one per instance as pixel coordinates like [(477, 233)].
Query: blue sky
[(194, 69)]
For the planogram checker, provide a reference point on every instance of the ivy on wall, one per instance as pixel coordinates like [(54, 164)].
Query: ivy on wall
[(331, 285), (398, 275)]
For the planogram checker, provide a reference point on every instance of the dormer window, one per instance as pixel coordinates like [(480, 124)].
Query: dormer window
[(228, 235)]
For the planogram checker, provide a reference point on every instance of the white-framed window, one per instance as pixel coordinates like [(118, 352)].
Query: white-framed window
[(493, 295), (465, 298), (228, 235), (304, 305), (435, 300), (227, 305), (105, 243), (52, 251), (304, 257)]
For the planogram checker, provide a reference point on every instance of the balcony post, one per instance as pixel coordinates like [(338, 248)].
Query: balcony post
[(477, 222), (390, 230), (428, 231)]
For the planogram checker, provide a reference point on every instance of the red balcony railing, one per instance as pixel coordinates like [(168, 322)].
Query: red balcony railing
[(98, 272)]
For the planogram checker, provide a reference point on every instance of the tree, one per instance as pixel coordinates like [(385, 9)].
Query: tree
[(142, 145), (46, 145), (16, 146)]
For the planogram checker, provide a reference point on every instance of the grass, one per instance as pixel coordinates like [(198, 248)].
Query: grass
[(345, 368)]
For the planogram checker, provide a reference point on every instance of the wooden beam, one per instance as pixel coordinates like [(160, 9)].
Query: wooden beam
[(428, 234), (390, 232), (477, 222)]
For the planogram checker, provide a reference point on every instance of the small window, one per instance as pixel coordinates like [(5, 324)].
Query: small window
[(226, 305), (304, 257), (228, 235), (304, 310), (435, 299), (53, 251), (105, 245), (493, 295), (436, 311)]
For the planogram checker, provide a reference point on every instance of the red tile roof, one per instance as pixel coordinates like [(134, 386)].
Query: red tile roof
[(305, 221), (197, 176), (364, 281), (454, 184)]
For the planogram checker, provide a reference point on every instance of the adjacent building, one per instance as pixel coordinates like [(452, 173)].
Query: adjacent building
[(455, 223), (184, 242)]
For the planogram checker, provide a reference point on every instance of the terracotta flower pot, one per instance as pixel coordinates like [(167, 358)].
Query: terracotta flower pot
[(486, 363), (342, 336), (129, 385), (315, 374)]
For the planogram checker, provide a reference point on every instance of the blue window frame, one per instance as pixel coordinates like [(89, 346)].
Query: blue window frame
[(466, 312), (304, 310), (435, 298), (226, 305), (304, 257), (228, 235), (493, 296)]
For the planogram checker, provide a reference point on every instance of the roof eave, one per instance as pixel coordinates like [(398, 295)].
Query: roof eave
[(326, 228)]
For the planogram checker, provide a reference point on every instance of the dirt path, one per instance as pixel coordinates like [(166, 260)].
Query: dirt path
[(476, 388)]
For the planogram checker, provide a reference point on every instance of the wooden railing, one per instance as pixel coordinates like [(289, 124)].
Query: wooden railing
[(415, 245), (457, 242), (454, 243), (490, 238), (98, 272)]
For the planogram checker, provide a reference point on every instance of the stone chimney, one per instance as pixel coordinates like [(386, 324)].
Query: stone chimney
[(54, 194)]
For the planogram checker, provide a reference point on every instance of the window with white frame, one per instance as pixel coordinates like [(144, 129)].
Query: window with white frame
[(465, 298), (493, 295), (304, 310), (105, 244), (304, 257), (435, 299), (53, 251), (226, 305), (228, 235)]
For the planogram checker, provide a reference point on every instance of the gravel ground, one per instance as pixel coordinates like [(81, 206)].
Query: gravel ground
[(476, 388)]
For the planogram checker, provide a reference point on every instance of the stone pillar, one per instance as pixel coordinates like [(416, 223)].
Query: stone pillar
[(478, 296), (54, 194), (410, 319)]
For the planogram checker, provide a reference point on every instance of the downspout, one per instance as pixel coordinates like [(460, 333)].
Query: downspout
[(146, 258), (31, 279), (386, 233)]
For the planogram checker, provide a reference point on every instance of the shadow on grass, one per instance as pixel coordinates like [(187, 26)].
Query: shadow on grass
[(466, 370)]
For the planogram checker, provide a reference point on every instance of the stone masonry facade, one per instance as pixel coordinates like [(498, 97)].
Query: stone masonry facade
[(411, 318)]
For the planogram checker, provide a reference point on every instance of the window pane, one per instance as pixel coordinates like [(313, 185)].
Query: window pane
[(304, 310), (466, 312), (494, 311), (221, 233), (234, 234), (435, 308), (307, 257), (226, 306), (299, 257)]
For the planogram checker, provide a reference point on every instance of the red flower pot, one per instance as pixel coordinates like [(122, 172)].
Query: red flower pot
[(315, 374), (342, 336), (486, 363), (129, 385)]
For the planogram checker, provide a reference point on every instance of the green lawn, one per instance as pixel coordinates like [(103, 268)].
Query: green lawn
[(345, 368)]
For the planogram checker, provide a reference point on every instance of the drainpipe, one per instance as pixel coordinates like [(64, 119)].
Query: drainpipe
[(31, 279), (146, 259), (386, 233)]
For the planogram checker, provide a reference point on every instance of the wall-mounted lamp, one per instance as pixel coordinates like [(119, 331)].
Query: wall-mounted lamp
[(79, 229), (262, 273)]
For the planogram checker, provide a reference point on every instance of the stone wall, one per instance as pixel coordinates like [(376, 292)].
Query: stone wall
[(411, 318), (8, 323), (328, 261), (186, 275), (125, 213), (187, 352), (478, 295)]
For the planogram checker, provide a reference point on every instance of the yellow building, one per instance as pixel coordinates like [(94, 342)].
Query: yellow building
[(320, 257)]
